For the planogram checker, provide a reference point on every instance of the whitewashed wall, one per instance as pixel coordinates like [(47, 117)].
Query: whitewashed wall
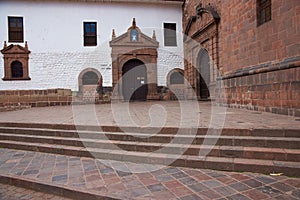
[(54, 31)]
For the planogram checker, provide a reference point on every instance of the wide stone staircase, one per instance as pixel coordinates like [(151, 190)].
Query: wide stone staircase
[(257, 150)]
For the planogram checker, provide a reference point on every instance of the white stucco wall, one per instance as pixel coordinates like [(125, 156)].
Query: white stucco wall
[(54, 31)]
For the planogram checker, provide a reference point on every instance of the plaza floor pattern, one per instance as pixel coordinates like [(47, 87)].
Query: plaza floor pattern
[(22, 172), (120, 180)]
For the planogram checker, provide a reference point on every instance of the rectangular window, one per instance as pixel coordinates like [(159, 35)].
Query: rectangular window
[(15, 29), (170, 34), (90, 33), (263, 11)]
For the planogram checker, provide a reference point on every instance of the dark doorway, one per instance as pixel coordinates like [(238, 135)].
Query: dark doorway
[(203, 79), (134, 80), (177, 77), (90, 78)]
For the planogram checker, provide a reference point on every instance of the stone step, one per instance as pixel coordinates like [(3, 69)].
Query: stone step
[(245, 141), (169, 148), (264, 151), (48, 128), (207, 162)]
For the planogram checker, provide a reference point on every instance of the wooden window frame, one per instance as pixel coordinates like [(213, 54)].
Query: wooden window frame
[(16, 32), (89, 38), (264, 11), (170, 36)]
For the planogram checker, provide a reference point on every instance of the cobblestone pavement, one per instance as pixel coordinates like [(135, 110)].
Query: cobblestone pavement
[(153, 114), (159, 182), (10, 192)]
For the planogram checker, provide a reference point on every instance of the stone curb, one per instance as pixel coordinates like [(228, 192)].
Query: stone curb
[(50, 188)]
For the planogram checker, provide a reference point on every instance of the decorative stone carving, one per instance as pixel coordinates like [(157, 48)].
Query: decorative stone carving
[(124, 49), (15, 54), (202, 32)]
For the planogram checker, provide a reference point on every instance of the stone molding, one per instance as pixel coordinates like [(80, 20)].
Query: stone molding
[(263, 68), (13, 53)]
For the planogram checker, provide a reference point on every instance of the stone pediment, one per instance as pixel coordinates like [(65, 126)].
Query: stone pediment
[(15, 49), (17, 56), (140, 39)]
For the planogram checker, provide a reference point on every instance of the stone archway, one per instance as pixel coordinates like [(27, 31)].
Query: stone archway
[(88, 80), (175, 77), (202, 31), (175, 83)]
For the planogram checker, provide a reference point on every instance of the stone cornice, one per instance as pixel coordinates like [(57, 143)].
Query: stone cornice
[(263, 68)]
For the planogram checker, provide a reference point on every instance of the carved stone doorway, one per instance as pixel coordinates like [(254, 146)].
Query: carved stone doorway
[(134, 59)]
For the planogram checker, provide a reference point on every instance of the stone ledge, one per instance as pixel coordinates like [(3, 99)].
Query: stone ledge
[(11, 100)]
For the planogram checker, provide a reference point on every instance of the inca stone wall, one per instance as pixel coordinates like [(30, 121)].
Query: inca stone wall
[(259, 65)]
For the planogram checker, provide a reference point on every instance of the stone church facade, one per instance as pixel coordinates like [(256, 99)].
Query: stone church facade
[(70, 45), (244, 53)]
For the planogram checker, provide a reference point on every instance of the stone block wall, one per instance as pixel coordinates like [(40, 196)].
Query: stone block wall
[(19, 99), (89, 93), (257, 64), (243, 43), (271, 88)]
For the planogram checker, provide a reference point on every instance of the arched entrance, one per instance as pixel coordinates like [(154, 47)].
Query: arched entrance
[(175, 83), (175, 77), (89, 77), (203, 76), (134, 81), (88, 80)]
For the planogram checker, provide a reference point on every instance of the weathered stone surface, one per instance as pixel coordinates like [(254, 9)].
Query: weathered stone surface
[(259, 65)]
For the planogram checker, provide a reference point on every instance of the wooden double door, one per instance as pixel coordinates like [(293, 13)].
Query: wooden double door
[(134, 81)]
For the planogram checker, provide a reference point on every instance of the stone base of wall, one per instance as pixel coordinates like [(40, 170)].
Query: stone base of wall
[(20, 99), (89, 95), (271, 88)]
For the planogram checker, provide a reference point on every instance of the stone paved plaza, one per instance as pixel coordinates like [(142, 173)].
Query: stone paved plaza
[(96, 178), (160, 182), (153, 114)]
